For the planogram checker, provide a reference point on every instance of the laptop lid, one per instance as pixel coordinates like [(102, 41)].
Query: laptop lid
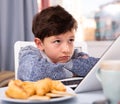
[(90, 81)]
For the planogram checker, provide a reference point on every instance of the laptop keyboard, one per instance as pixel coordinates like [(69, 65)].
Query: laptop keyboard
[(72, 82)]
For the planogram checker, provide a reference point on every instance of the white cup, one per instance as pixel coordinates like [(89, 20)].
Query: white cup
[(109, 76)]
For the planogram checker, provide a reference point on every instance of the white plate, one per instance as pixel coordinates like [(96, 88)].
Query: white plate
[(3, 97)]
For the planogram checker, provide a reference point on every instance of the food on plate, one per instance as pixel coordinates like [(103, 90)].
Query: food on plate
[(60, 93), (42, 89), (43, 86), (37, 97), (19, 89), (58, 86)]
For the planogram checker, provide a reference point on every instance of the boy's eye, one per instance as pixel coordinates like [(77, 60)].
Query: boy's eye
[(57, 41), (71, 40)]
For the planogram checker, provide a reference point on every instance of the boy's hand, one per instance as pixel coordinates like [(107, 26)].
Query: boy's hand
[(85, 56)]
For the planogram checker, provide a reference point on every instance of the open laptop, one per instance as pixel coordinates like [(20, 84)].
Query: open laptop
[(90, 81)]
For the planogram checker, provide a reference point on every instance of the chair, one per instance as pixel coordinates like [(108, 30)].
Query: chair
[(82, 46), (17, 46)]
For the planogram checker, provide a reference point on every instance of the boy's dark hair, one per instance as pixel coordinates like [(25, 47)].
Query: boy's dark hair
[(52, 21)]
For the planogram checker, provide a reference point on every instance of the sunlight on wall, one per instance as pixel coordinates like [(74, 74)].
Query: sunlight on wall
[(112, 9), (75, 8)]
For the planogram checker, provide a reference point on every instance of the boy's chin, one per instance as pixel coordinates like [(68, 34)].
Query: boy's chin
[(63, 61)]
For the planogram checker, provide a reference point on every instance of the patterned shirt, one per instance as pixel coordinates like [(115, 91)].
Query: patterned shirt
[(35, 65)]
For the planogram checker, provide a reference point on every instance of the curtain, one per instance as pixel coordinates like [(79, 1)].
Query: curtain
[(15, 24)]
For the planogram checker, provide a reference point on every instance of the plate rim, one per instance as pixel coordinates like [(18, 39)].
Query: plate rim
[(3, 97)]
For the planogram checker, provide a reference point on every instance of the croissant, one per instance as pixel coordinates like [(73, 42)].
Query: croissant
[(43, 86), (18, 89), (58, 86)]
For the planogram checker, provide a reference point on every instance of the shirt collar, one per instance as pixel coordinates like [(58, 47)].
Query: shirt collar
[(45, 56)]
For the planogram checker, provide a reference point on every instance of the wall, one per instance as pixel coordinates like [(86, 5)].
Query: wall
[(97, 48)]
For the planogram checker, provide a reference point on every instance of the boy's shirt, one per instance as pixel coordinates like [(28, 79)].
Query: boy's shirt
[(68, 73), (35, 65)]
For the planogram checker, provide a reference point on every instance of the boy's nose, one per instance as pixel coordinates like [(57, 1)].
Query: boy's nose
[(66, 48)]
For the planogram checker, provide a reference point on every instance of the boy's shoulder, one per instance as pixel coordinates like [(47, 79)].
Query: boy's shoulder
[(29, 49)]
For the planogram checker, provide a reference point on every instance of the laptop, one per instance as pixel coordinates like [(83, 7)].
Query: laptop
[(90, 81)]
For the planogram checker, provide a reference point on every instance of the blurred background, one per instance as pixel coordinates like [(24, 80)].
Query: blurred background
[(98, 22)]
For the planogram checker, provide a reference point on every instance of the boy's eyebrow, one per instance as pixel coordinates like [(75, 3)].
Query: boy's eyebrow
[(72, 36)]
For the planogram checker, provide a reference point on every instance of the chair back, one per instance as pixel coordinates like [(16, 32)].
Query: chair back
[(17, 47)]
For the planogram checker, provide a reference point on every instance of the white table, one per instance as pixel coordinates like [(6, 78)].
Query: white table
[(82, 98)]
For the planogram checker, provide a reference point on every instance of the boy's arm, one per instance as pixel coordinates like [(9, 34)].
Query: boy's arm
[(33, 67), (78, 54), (81, 64)]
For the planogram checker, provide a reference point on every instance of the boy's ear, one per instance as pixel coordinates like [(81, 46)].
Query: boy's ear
[(38, 43)]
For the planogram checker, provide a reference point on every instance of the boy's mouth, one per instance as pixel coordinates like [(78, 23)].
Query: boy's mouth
[(64, 58)]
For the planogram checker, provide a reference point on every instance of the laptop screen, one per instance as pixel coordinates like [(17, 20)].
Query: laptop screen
[(74, 81), (89, 82)]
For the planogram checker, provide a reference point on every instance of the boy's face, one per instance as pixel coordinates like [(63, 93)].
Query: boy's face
[(59, 48)]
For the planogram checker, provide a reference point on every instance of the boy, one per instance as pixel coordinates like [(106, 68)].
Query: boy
[(54, 30)]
